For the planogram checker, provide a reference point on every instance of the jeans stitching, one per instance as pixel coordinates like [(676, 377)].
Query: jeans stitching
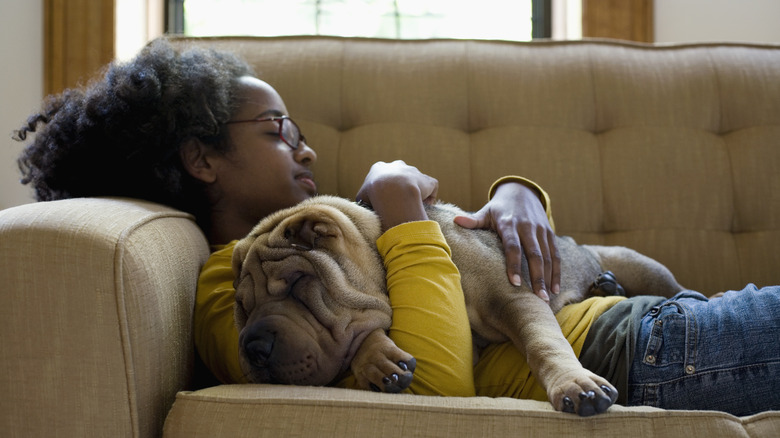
[(691, 338)]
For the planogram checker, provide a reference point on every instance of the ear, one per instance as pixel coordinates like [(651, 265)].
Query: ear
[(312, 231), (196, 159)]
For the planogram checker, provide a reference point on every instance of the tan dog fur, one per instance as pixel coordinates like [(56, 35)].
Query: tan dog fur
[(311, 297)]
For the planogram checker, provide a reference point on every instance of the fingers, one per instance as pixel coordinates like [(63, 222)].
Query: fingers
[(384, 178), (537, 253), (513, 252), (513, 249), (473, 222), (520, 239), (554, 279), (432, 190), (510, 238), (397, 192), (544, 261), (556, 266)]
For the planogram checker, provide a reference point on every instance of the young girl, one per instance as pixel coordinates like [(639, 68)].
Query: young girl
[(197, 131), (194, 129)]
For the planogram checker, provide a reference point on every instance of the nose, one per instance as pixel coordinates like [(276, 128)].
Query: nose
[(258, 347), (304, 154)]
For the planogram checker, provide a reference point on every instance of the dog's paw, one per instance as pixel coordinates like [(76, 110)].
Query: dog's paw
[(606, 285), (585, 394), (379, 365), (395, 381)]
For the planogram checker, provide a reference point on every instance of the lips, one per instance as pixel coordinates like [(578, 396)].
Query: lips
[(307, 179)]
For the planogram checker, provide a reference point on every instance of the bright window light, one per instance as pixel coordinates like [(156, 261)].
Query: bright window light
[(403, 19)]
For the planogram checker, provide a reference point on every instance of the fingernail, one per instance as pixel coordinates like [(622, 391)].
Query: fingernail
[(517, 280), (556, 289), (543, 294)]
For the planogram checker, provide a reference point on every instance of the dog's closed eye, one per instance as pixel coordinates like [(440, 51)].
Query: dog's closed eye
[(297, 239), (300, 247)]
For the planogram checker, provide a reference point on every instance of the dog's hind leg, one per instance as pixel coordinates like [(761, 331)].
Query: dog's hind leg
[(637, 273)]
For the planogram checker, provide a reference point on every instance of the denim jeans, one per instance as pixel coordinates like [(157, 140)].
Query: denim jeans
[(720, 354)]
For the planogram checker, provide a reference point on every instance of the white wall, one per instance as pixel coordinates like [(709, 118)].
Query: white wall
[(21, 70), (717, 20)]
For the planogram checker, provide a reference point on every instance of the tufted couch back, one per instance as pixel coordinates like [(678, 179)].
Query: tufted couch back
[(672, 150)]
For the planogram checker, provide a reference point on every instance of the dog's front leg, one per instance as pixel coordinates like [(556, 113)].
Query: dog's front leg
[(570, 387), (379, 365)]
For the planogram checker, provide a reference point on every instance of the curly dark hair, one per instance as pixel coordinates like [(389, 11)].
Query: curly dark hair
[(120, 135)]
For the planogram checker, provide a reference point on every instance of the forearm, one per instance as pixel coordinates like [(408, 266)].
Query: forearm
[(429, 312)]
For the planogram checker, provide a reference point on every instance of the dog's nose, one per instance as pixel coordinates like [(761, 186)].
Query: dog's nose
[(259, 346)]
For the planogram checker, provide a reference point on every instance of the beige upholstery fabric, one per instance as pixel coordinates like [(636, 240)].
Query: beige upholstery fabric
[(274, 411), (672, 150), (95, 316)]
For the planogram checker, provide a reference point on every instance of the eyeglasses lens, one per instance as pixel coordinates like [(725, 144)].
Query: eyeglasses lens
[(290, 133)]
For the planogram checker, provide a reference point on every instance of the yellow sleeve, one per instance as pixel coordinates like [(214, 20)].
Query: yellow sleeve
[(543, 196), (216, 336), (502, 371), (429, 309)]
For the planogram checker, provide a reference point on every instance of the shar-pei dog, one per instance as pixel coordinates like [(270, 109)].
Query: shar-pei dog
[(312, 303)]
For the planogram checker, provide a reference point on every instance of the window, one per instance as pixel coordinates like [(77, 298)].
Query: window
[(519, 20)]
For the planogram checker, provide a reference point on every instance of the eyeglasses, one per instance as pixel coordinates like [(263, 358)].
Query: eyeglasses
[(289, 131)]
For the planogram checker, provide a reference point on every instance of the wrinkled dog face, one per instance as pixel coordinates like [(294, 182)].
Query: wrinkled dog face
[(309, 287)]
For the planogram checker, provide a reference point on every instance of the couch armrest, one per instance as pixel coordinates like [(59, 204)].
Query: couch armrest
[(96, 299)]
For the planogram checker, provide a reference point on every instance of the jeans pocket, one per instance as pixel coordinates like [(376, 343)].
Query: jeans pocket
[(667, 342)]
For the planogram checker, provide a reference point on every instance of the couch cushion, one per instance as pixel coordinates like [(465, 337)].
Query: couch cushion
[(274, 411)]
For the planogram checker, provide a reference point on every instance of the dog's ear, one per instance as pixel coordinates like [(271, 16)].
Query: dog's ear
[(309, 232), (239, 254)]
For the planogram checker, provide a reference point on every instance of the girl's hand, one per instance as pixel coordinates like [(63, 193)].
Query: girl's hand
[(398, 192), (519, 218)]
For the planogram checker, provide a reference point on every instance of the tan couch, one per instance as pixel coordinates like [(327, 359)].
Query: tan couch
[(672, 150)]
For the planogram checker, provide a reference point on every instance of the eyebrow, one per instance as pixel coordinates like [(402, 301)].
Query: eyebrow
[(270, 113)]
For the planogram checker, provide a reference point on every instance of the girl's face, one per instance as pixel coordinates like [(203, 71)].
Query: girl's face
[(261, 173)]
